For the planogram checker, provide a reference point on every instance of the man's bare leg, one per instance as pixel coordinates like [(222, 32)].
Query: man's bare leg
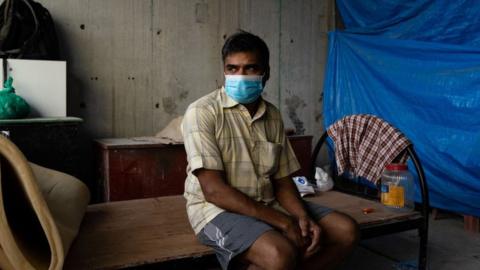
[(272, 251), (339, 236)]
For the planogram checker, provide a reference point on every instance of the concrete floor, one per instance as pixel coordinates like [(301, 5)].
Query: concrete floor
[(450, 247)]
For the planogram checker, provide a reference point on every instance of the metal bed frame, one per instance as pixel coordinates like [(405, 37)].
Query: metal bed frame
[(418, 220)]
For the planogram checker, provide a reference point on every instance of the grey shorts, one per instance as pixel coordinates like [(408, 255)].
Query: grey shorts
[(230, 234)]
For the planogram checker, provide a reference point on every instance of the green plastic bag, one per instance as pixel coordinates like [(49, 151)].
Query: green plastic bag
[(11, 105)]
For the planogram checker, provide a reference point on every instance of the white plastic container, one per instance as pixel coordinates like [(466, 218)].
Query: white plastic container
[(397, 188)]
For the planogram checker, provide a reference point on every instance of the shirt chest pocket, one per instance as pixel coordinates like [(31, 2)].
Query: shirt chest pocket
[(267, 157)]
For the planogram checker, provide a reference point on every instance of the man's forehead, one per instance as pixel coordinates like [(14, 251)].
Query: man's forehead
[(242, 58)]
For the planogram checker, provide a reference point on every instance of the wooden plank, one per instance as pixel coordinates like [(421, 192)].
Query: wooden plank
[(130, 233), (136, 143), (46, 120), (145, 231), (353, 206)]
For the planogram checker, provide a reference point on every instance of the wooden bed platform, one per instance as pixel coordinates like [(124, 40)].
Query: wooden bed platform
[(139, 232)]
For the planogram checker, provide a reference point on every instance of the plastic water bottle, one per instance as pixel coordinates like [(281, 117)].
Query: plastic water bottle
[(397, 188)]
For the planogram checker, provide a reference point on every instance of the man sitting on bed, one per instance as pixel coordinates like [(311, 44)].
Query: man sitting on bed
[(241, 200)]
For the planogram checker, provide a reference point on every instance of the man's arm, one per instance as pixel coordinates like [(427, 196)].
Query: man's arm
[(217, 192), (287, 195)]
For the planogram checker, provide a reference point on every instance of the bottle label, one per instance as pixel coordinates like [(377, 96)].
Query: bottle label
[(393, 196)]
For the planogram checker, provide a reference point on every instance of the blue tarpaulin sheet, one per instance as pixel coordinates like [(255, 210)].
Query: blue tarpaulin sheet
[(427, 87), (442, 21)]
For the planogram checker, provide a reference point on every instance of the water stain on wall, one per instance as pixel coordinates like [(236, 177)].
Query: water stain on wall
[(318, 116), (201, 12), (169, 105), (183, 95), (293, 103), (319, 113)]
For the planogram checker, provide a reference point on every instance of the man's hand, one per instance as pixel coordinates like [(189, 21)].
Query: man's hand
[(294, 233), (311, 233), (287, 195)]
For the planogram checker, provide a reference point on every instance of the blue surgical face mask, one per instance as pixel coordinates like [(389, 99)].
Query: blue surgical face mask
[(244, 89)]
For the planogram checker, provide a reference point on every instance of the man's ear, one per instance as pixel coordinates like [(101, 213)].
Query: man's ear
[(266, 75)]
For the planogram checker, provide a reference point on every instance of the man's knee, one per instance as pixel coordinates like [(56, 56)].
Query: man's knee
[(348, 232), (340, 229), (272, 251), (281, 255)]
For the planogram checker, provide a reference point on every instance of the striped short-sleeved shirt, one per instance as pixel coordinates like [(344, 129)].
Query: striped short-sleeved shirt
[(220, 134)]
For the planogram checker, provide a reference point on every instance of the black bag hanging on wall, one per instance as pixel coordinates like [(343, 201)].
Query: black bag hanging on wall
[(27, 31)]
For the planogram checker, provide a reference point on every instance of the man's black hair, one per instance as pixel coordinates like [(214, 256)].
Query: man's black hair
[(243, 41)]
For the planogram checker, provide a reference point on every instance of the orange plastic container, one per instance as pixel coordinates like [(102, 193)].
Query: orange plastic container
[(397, 188)]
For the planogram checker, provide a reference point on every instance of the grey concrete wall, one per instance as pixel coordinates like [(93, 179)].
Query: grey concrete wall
[(133, 65)]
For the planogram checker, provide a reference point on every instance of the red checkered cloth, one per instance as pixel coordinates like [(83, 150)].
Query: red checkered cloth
[(365, 144)]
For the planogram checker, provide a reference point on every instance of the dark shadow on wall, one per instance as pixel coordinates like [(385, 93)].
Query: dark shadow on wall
[(76, 107)]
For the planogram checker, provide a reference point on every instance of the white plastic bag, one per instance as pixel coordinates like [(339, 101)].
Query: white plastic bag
[(323, 180)]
